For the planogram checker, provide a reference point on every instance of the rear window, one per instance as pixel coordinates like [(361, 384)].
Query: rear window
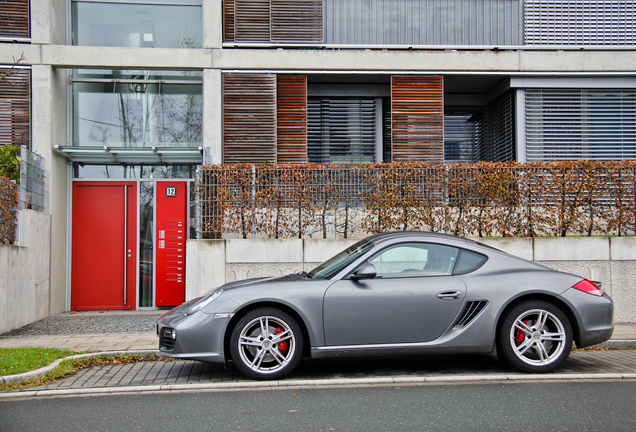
[(469, 262)]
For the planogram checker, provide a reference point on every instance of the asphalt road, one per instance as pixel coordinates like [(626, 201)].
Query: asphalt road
[(553, 406)]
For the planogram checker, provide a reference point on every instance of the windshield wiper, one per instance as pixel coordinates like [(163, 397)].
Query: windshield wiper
[(305, 274)]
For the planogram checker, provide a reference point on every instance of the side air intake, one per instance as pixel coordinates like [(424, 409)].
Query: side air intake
[(472, 309)]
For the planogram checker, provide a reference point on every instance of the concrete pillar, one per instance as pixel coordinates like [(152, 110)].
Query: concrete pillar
[(213, 116), (48, 22), (48, 127), (212, 24)]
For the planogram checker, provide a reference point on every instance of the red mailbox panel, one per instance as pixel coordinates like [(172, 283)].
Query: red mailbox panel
[(171, 235)]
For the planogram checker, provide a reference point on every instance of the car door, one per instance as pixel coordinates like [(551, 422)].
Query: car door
[(413, 298)]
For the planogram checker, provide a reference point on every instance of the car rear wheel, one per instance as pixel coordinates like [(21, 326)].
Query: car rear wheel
[(535, 336), (266, 343)]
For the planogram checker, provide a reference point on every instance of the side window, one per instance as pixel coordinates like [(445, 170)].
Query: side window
[(468, 262), (415, 259)]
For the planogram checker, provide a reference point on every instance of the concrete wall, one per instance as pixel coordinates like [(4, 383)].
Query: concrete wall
[(24, 273), (610, 260)]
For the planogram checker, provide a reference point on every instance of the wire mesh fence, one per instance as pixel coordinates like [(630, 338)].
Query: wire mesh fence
[(31, 188), (485, 199)]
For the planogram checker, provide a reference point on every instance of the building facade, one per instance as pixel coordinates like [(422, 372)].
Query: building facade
[(125, 98)]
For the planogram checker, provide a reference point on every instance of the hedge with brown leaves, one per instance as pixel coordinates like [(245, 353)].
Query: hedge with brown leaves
[(484, 199)]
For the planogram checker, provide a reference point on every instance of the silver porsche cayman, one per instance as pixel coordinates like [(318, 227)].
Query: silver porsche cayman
[(396, 293)]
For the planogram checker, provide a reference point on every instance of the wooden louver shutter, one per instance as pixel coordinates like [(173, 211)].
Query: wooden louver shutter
[(14, 18), (15, 111), (291, 120), (249, 118), (417, 108), (251, 21), (228, 20), (273, 21), (297, 21)]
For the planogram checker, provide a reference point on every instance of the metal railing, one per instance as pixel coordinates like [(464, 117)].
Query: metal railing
[(481, 200)]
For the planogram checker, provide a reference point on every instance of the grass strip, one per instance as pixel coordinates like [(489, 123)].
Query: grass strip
[(69, 367), (19, 360)]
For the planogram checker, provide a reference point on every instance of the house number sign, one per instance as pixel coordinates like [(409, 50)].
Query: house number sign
[(171, 191)]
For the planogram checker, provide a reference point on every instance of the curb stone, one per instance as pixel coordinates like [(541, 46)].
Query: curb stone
[(455, 379)]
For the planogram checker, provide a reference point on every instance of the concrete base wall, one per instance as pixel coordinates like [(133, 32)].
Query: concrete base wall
[(25, 273), (610, 260)]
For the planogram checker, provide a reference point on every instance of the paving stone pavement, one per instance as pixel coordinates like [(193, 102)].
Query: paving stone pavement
[(612, 364)]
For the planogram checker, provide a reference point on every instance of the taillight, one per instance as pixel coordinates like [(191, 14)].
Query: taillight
[(589, 287)]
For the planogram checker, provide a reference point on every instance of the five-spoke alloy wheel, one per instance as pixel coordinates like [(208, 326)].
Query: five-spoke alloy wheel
[(535, 336), (266, 343)]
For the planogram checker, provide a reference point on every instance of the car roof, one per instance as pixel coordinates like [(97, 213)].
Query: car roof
[(447, 239)]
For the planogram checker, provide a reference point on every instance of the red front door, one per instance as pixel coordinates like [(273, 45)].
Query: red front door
[(171, 210), (104, 252)]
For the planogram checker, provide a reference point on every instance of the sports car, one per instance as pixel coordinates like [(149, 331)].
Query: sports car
[(394, 294)]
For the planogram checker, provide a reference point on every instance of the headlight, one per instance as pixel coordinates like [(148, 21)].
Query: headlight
[(204, 302)]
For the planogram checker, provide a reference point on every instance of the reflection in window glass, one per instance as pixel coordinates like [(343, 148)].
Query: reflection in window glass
[(137, 113), (173, 24), (82, 171), (468, 262), (146, 243), (415, 259)]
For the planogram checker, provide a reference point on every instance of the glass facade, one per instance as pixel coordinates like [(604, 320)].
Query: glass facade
[(162, 24), (146, 243), (142, 109)]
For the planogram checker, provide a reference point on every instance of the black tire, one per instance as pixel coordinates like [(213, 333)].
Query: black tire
[(535, 336), (266, 344)]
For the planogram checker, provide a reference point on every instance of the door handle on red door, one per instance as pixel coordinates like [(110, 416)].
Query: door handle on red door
[(449, 295)]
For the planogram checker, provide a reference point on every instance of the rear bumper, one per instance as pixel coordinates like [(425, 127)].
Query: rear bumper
[(594, 317)]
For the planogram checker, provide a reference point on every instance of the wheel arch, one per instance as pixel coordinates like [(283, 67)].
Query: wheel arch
[(563, 306), (250, 307)]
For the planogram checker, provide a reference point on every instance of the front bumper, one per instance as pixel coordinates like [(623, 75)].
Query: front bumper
[(199, 336)]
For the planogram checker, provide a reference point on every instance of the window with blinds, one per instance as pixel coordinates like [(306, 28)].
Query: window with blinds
[(273, 21), (14, 19), (15, 107), (463, 136), (423, 22), (342, 131), (580, 124), (580, 22), (499, 129)]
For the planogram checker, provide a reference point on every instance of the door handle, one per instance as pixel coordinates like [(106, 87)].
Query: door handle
[(449, 295)]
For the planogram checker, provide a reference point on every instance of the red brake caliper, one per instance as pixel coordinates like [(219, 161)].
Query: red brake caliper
[(283, 345), (519, 337)]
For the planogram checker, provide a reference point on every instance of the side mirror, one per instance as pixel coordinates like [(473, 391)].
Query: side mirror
[(366, 271)]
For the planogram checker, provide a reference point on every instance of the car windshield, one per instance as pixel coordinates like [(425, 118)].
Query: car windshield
[(335, 265)]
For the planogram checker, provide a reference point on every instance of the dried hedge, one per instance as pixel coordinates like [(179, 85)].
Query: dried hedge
[(8, 204), (484, 199)]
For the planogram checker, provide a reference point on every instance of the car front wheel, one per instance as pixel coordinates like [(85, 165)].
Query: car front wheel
[(535, 336), (266, 343)]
